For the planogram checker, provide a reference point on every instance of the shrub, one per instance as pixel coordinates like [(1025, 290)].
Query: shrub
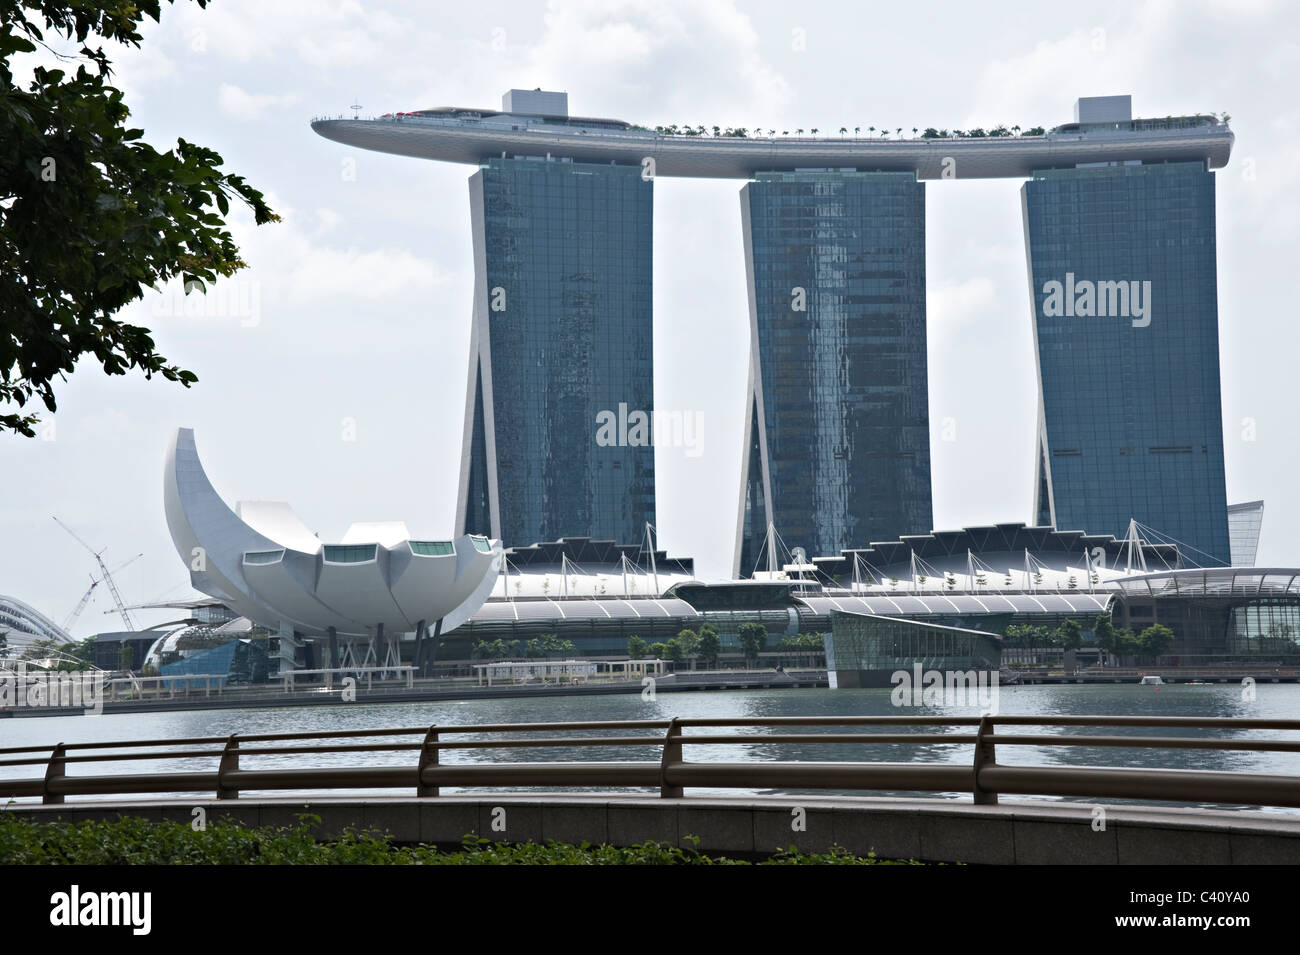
[(143, 842)]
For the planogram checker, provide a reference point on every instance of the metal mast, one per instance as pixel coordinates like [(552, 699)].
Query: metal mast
[(650, 540)]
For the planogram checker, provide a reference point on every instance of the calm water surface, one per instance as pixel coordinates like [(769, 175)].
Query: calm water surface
[(1276, 701)]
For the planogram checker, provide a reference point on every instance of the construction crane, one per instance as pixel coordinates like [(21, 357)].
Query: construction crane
[(85, 598), (81, 605), (105, 575)]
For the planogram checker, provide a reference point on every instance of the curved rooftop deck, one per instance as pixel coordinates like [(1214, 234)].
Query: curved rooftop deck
[(442, 135)]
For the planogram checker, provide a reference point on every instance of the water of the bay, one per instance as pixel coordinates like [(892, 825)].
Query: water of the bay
[(1270, 701)]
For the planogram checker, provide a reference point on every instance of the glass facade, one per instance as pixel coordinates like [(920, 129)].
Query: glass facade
[(349, 553), (1244, 523), (840, 423), (431, 548), (1222, 630), (563, 254), (1269, 626), (1122, 270), (263, 557), (866, 650)]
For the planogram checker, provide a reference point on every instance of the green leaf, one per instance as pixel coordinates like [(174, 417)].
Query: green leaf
[(118, 218)]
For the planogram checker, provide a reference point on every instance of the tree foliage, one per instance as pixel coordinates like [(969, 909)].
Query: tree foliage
[(1104, 631), (804, 642), (710, 645), (1027, 635), (491, 649), (1155, 641), (689, 640), (90, 214), (1069, 634), (550, 645), (753, 640)]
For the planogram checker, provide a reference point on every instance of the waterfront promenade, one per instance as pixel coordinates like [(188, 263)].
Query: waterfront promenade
[(147, 694), (1007, 793), (1011, 833)]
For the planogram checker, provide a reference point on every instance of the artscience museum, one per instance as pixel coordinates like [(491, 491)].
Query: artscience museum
[(361, 593)]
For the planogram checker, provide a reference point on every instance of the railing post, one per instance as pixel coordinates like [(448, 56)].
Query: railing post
[(229, 763), (56, 768), (985, 755), (428, 757), (672, 755)]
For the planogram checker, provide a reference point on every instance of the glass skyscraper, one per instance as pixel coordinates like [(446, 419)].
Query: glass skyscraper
[(837, 444), (1123, 278), (561, 345), (1244, 523)]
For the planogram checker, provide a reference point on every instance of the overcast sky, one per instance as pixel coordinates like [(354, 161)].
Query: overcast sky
[(353, 315)]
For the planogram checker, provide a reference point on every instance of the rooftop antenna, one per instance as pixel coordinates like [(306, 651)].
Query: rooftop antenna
[(356, 110)]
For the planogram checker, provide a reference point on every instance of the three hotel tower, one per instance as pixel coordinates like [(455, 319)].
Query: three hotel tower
[(837, 430)]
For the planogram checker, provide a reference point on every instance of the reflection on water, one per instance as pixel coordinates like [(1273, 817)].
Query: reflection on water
[(1281, 701)]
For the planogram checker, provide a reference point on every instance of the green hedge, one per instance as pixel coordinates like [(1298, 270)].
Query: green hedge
[(142, 842)]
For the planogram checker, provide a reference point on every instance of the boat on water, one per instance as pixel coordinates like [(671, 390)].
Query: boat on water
[(1151, 681)]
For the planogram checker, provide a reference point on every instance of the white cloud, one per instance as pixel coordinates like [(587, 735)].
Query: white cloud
[(955, 305), (633, 55), (337, 34), (239, 104)]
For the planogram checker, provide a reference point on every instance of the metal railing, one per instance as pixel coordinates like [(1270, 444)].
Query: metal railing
[(671, 773)]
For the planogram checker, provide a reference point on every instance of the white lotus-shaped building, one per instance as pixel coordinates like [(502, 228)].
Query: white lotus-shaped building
[(262, 561)]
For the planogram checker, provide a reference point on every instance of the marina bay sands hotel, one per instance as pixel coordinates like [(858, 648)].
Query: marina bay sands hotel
[(1119, 227)]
